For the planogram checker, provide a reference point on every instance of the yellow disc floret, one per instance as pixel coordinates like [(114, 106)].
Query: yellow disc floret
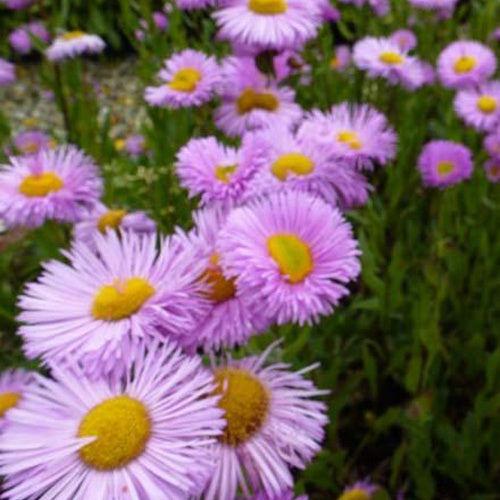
[(40, 185), (292, 255), (8, 400), (122, 299), (223, 174), (464, 64), (111, 220), (250, 100), (185, 80), (245, 401), (487, 104), (73, 35), (220, 288), (445, 167), (350, 138), (391, 58), (296, 163), (356, 494), (122, 428), (268, 7)]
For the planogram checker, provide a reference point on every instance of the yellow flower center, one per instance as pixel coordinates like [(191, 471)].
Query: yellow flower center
[(292, 255), (221, 288), (465, 64), (122, 299), (223, 174), (120, 144), (487, 104), (30, 147), (8, 400), (268, 7), (357, 494), (185, 80), (245, 401), (334, 62), (111, 220), (73, 35), (250, 100), (122, 427), (37, 186), (391, 58), (445, 167), (296, 163), (350, 138)]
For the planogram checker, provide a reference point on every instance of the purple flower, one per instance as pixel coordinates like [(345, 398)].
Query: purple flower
[(342, 57), (293, 251), (492, 168), (135, 145), (443, 163), (7, 72), (20, 40), (406, 39), (32, 141), (360, 490), (17, 4), (274, 424), (61, 184), (190, 79), (72, 437), (73, 44), (492, 143), (465, 63), (13, 383)]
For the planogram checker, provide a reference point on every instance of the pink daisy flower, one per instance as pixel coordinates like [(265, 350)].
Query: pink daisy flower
[(492, 143), (443, 163), (250, 101), (358, 133), (405, 39), (218, 173), (492, 168), (303, 166), (135, 145), (32, 141), (13, 383), (465, 63), (17, 4), (342, 57), (60, 184), (20, 41), (274, 424), (191, 79), (102, 219), (293, 251), (73, 44), (7, 72), (268, 24), (97, 307), (231, 319), (360, 490), (149, 435), (386, 58), (480, 106)]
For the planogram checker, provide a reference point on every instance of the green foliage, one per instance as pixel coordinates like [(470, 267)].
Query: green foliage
[(411, 358)]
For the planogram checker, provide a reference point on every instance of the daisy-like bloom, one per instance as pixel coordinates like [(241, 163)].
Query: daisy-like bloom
[(293, 251), (327, 11), (148, 435), (268, 24), (386, 58), (492, 144), (135, 145), (13, 383), (218, 173), (465, 63), (492, 168), (480, 106), (17, 4), (20, 40), (406, 39), (342, 57), (32, 141), (7, 72), (303, 166), (495, 35), (231, 319), (61, 184), (250, 101), (102, 219), (191, 79), (360, 490), (358, 133), (443, 163), (274, 424), (97, 307), (74, 43)]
